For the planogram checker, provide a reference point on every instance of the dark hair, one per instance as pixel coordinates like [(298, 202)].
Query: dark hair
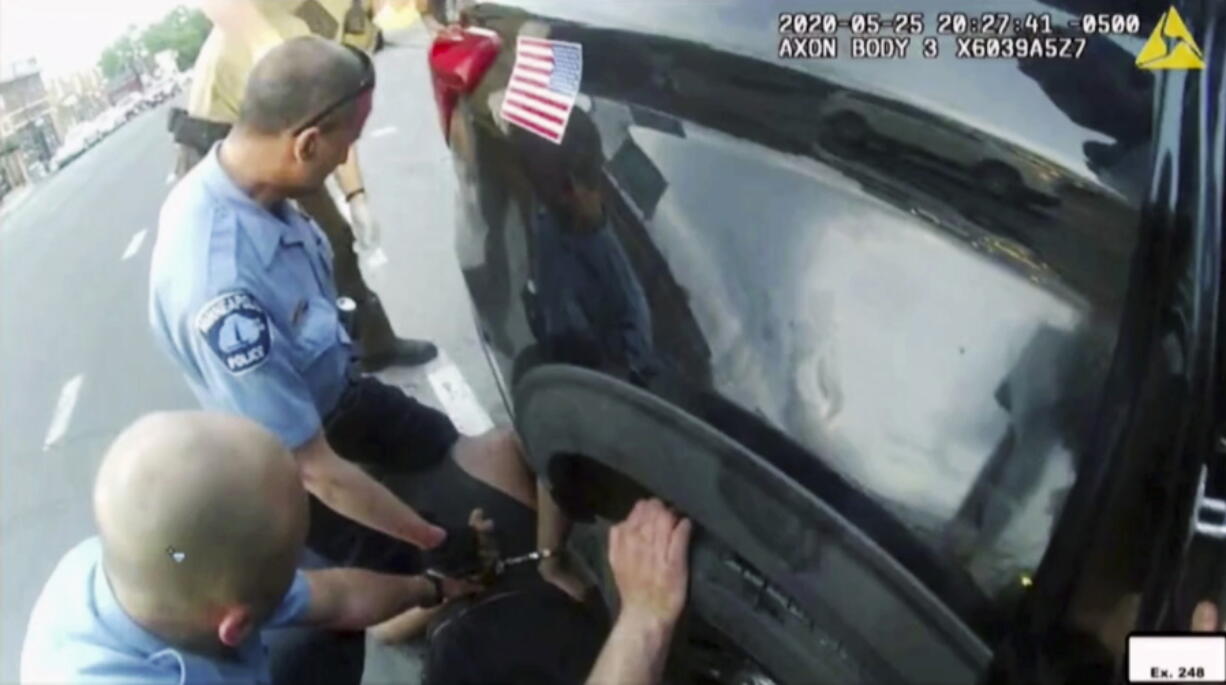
[(296, 81), (554, 168)]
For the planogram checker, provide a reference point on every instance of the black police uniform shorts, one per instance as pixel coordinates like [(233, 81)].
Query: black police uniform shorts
[(406, 444), (378, 425), (387, 432)]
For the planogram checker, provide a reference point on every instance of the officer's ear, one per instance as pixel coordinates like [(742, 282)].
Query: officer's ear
[(235, 626), (306, 144)]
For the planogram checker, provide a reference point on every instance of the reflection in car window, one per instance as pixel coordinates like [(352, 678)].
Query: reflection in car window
[(943, 283)]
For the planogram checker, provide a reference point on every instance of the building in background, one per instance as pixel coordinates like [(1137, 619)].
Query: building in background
[(122, 84), (77, 98), (28, 129), (12, 170)]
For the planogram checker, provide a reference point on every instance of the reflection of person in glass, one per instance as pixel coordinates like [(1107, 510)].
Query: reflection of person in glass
[(588, 307), (1120, 106), (1003, 523)]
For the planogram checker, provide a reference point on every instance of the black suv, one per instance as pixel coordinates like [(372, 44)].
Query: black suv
[(925, 346)]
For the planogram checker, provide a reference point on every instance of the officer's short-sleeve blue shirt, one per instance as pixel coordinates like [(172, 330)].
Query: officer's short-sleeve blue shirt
[(243, 300), (78, 633)]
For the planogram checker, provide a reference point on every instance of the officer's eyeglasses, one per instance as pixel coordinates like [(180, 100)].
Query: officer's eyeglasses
[(367, 83)]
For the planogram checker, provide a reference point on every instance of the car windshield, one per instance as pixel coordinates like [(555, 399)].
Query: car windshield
[(945, 358)]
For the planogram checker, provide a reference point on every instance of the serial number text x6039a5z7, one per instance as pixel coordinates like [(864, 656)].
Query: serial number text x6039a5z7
[(1019, 47)]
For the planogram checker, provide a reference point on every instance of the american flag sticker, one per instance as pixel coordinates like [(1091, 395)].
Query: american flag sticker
[(543, 87)]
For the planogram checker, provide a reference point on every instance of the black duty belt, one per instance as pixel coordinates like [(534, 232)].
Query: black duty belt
[(199, 134), (348, 398)]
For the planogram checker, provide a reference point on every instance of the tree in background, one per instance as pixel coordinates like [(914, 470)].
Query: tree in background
[(122, 56), (182, 31)]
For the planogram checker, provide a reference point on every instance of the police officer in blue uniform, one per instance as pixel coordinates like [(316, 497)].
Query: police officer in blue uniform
[(167, 591), (243, 300)]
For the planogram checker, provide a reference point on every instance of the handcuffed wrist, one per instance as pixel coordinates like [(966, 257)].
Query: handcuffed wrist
[(434, 588)]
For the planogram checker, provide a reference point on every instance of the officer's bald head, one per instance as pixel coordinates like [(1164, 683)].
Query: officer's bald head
[(296, 81), (199, 513)]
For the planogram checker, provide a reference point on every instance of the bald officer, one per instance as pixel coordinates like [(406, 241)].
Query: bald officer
[(245, 30), (201, 519), (242, 300)]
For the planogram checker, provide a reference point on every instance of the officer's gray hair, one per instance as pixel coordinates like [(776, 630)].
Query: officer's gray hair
[(296, 81)]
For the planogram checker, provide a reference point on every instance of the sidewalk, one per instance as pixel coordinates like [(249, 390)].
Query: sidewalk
[(421, 292)]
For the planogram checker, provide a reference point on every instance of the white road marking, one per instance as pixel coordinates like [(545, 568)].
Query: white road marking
[(64, 407), (134, 244), (170, 178), (386, 130), (457, 398)]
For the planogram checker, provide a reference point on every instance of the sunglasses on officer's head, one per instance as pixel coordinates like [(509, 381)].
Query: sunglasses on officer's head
[(367, 83)]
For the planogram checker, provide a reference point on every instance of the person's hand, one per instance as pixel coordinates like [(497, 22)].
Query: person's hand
[(365, 229), (487, 544), (459, 587), (445, 588), (426, 535), (1205, 618), (465, 552), (647, 552)]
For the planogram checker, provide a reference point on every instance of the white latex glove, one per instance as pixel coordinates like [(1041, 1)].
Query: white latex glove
[(366, 235), (365, 229)]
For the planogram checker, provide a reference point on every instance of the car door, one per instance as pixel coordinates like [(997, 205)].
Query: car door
[(1140, 544), (877, 417)]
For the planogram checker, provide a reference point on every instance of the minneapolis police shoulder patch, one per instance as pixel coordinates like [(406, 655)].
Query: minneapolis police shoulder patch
[(235, 326)]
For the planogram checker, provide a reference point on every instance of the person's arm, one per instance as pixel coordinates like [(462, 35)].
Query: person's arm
[(410, 625), (349, 179), (413, 623), (257, 379), (647, 553), (635, 652), (353, 493), (355, 599), (349, 174), (432, 24)]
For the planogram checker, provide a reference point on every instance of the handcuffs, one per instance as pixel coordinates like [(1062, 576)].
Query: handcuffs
[(471, 552)]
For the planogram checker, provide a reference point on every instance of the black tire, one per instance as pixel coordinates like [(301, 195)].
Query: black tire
[(599, 443)]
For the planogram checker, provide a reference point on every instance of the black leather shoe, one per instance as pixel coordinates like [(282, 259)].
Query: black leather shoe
[(403, 352)]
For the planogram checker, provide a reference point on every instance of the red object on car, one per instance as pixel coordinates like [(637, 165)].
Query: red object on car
[(459, 57)]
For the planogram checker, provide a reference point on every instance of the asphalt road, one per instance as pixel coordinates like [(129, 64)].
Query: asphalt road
[(77, 362)]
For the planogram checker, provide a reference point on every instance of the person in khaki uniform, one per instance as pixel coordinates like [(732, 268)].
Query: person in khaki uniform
[(245, 30)]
